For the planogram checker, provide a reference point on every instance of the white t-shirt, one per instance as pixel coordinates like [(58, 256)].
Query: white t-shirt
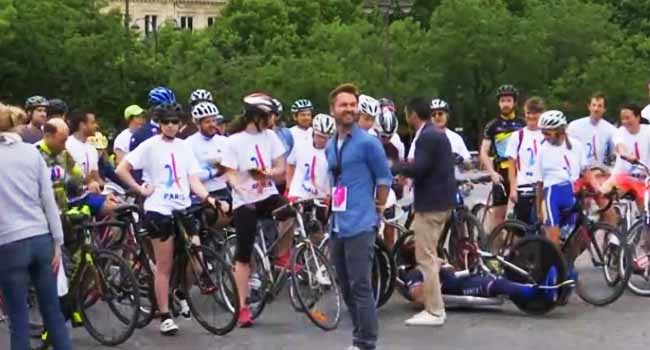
[(597, 139), (208, 151), (122, 141), (84, 155), (247, 151), (457, 144), (411, 155), (167, 165), (645, 112), (301, 137), (311, 177), (637, 145), (525, 153), (557, 164)]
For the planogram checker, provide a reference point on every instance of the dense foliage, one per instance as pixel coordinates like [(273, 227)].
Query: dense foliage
[(460, 50)]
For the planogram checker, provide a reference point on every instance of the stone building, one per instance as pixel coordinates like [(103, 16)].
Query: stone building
[(149, 15)]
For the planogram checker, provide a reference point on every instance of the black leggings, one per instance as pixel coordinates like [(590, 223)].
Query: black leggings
[(245, 219)]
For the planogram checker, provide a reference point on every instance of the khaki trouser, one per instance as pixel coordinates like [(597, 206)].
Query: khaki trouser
[(428, 228)]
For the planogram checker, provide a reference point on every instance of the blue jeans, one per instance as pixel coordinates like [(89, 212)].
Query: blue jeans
[(26, 261), (353, 258)]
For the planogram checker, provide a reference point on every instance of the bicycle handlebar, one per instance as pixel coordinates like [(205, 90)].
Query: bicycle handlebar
[(637, 162)]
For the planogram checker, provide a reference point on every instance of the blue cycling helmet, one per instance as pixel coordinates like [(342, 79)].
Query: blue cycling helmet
[(161, 95)]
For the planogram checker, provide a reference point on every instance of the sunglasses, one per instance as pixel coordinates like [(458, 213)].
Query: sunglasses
[(170, 121)]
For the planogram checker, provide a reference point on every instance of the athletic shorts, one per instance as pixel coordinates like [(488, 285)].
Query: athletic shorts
[(500, 194), (245, 220), (558, 198)]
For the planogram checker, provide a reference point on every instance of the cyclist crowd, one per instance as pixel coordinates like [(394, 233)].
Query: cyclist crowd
[(249, 166)]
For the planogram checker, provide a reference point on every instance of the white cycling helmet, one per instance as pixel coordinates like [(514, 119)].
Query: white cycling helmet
[(386, 123), (302, 105), (324, 124), (200, 95), (552, 120), (204, 110), (369, 105), (438, 104)]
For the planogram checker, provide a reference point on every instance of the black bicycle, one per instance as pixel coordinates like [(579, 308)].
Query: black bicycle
[(593, 249)]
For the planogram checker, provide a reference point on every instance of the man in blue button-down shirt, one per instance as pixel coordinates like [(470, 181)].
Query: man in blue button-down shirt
[(361, 179)]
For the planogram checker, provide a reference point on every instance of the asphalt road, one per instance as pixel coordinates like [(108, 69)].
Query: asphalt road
[(623, 325)]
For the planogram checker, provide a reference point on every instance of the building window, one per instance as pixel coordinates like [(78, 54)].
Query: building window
[(150, 24), (187, 22), (210, 21)]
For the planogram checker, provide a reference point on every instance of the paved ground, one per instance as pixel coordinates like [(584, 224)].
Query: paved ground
[(622, 326)]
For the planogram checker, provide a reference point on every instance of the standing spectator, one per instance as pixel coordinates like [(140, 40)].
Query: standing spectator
[(36, 107), (135, 117), (30, 237), (361, 179), (493, 150), (82, 126), (435, 187)]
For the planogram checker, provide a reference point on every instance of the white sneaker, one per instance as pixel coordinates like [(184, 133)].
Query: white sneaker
[(322, 277), (353, 348), (425, 318), (168, 327)]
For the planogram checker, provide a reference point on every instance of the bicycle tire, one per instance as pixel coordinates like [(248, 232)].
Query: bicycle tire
[(128, 287), (225, 293), (401, 265), (574, 250), (260, 282), (304, 255), (513, 230), (387, 272), (639, 281), (536, 255), (471, 233)]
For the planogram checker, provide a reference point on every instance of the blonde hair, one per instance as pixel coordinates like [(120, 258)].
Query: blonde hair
[(11, 117)]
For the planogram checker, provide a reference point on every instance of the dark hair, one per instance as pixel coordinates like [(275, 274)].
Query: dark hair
[(75, 119), (421, 107), (599, 95), (636, 110), (343, 88), (535, 104)]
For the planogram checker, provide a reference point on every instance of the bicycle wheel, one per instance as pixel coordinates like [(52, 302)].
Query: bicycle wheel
[(383, 274), (479, 210), (505, 236), (595, 257), (211, 291), (465, 235), (316, 287), (260, 281), (637, 254), (404, 258), (537, 256), (146, 291), (107, 297)]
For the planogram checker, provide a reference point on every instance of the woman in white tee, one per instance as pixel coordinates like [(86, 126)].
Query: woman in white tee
[(254, 158), (172, 171)]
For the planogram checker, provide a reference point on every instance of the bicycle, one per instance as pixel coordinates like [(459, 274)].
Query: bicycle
[(638, 235), (593, 249), (314, 289), (98, 277), (198, 271), (529, 262)]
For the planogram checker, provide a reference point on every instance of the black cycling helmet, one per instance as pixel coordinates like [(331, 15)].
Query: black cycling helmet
[(57, 107), (166, 111), (507, 90)]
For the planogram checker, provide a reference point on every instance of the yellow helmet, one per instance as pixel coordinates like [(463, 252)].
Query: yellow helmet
[(99, 141)]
